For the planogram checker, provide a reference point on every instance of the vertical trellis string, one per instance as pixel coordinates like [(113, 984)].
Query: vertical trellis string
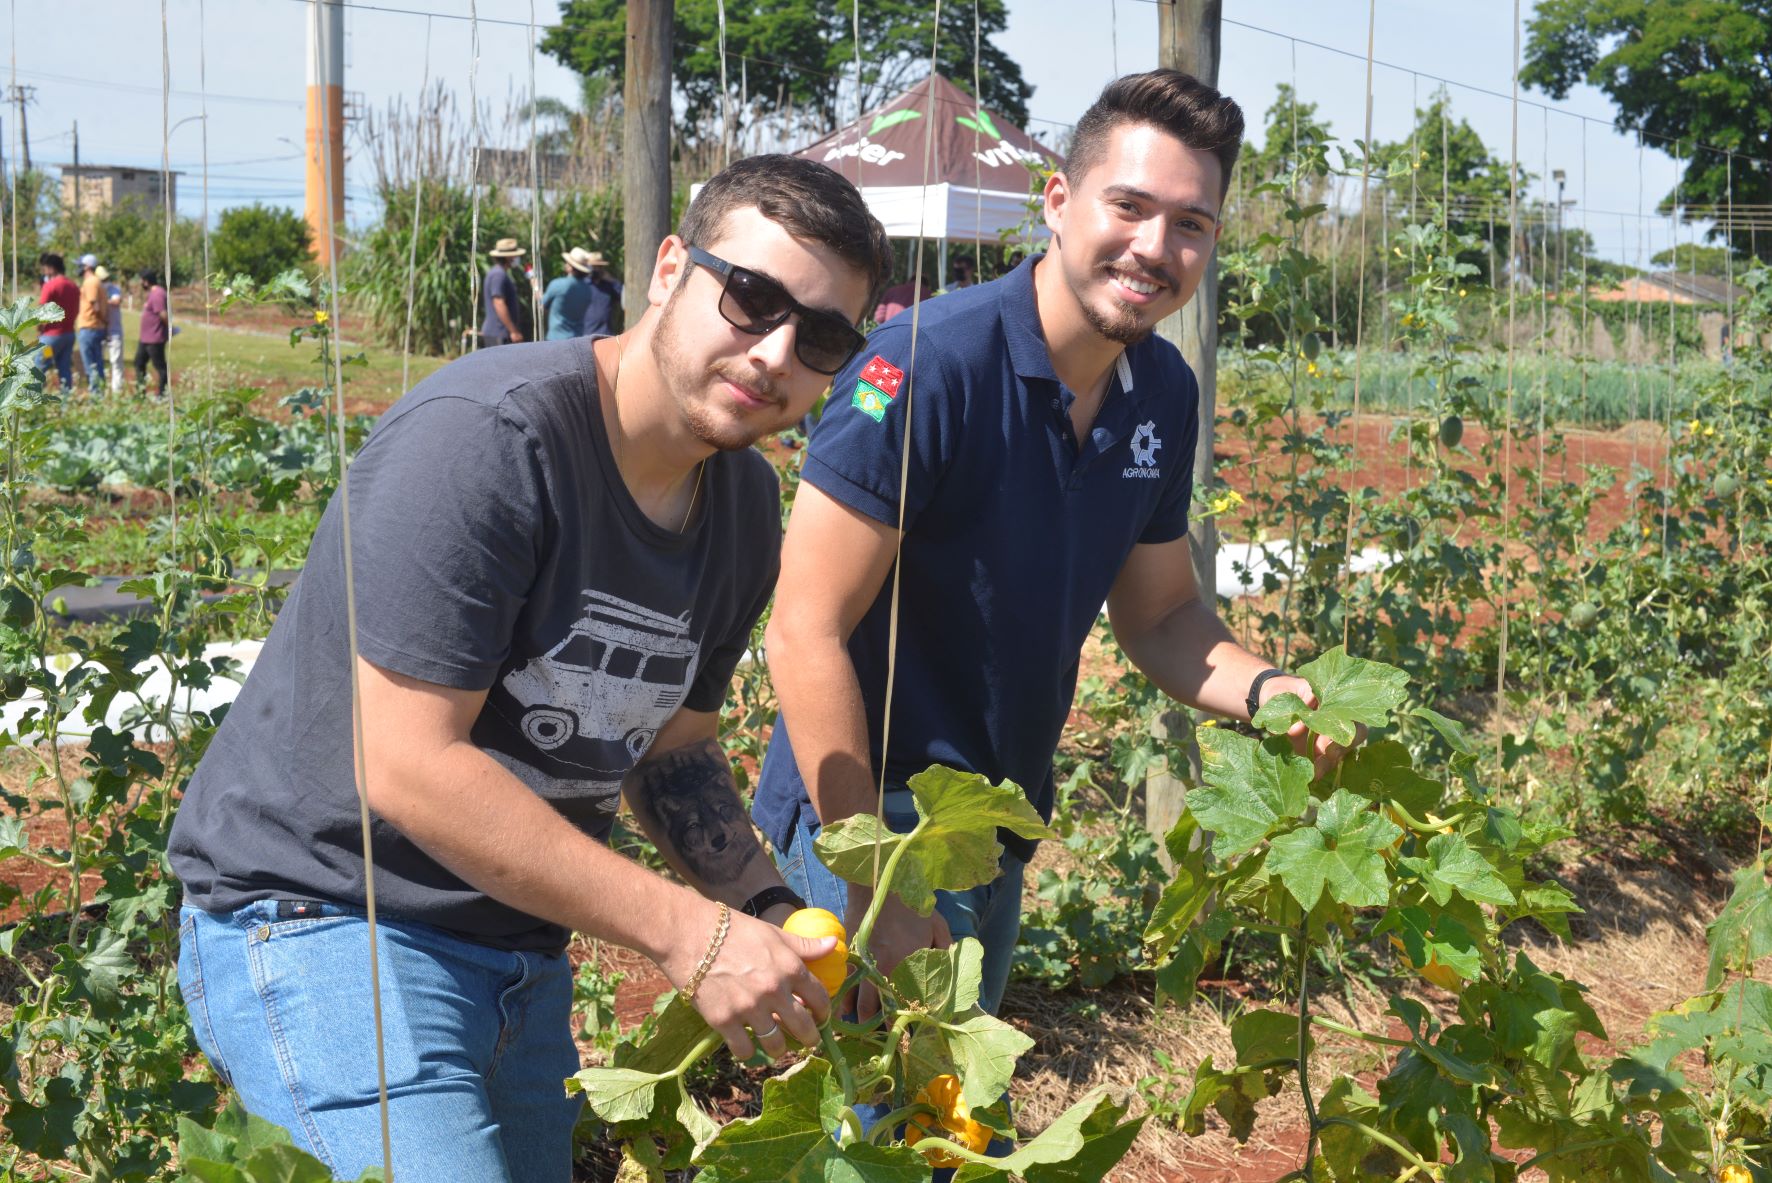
[(344, 497), (535, 191), (166, 277), (1507, 421), (1359, 339), (418, 194), (474, 175), (904, 465)]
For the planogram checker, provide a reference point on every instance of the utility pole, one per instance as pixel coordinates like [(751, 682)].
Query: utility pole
[(1189, 37), (645, 146), (79, 231), (23, 96)]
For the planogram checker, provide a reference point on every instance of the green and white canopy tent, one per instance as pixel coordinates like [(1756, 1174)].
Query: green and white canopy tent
[(976, 183), (978, 179)]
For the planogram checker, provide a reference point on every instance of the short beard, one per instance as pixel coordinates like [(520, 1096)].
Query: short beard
[(1122, 330), (681, 381)]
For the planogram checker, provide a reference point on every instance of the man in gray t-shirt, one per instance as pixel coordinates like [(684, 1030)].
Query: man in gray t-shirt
[(557, 559)]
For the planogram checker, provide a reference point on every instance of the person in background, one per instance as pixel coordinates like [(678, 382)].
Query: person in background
[(91, 324), (563, 304), (897, 298), (113, 329), (155, 332), (504, 323), (57, 339), (603, 313), (964, 274)]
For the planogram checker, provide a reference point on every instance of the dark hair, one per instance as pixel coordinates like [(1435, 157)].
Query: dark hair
[(149, 276), (807, 200), (1180, 104), (52, 261)]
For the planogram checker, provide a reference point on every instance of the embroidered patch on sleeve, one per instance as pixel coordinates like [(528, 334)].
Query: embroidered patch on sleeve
[(879, 384)]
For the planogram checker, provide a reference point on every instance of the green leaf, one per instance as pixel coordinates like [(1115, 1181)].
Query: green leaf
[(984, 1048), (1262, 1035), (618, 1094), (1179, 905), (1339, 853), (12, 837), (1742, 932), (792, 1140), (1350, 691), (1452, 864), (1251, 787), (1384, 771), (954, 846), (1062, 1144), (1451, 730), (1440, 938), (1106, 1139), (943, 981)]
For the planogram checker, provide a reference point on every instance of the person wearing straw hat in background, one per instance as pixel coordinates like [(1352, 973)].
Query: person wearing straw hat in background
[(603, 313), (563, 304), (91, 324), (113, 328), (503, 324)]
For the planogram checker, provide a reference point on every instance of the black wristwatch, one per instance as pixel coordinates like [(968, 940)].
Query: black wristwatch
[(768, 898), (1253, 702)]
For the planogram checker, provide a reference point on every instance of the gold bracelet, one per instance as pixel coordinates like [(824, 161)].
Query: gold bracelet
[(707, 959)]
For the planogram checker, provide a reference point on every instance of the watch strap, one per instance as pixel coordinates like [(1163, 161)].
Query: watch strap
[(1253, 702), (768, 898)]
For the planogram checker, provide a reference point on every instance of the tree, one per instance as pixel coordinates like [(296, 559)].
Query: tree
[(1452, 163), (1695, 72), (1291, 127), (260, 241), (1688, 257), (798, 56)]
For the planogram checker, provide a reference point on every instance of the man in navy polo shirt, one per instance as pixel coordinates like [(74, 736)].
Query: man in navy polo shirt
[(1050, 441)]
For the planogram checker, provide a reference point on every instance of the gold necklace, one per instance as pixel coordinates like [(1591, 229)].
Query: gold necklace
[(621, 361)]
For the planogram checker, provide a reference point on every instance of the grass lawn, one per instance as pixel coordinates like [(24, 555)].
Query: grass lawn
[(262, 356)]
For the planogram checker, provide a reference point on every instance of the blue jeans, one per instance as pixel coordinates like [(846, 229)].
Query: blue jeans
[(478, 1040), (61, 355), (92, 357)]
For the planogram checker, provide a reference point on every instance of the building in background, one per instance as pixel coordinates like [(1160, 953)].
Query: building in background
[(104, 186)]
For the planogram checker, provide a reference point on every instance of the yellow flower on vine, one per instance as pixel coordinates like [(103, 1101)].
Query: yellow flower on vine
[(1311, 369), (1225, 500), (943, 1094), (320, 316)]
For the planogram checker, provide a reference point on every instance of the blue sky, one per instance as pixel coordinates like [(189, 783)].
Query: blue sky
[(98, 62)]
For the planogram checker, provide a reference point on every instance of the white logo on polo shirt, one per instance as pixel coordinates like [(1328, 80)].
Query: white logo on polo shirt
[(1145, 445)]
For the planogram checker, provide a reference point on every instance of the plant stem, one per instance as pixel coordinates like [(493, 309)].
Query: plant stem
[(1595, 1144), (897, 1118), (882, 889), (845, 1077), (1304, 1031), (1342, 1028), (703, 1046), (1383, 1140)]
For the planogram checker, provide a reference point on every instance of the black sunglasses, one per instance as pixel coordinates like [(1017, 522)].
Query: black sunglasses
[(756, 304)]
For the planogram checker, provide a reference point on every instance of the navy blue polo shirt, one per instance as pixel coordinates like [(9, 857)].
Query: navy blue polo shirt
[(1014, 530)]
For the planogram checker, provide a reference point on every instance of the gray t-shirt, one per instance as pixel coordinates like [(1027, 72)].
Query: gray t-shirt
[(495, 546)]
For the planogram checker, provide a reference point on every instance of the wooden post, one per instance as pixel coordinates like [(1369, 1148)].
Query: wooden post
[(646, 147), (1189, 36)]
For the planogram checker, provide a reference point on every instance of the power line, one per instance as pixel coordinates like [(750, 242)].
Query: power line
[(132, 88)]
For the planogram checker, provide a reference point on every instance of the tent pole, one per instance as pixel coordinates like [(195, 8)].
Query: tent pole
[(942, 280)]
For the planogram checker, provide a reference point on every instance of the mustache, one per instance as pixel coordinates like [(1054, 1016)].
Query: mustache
[(758, 384), (1143, 274)]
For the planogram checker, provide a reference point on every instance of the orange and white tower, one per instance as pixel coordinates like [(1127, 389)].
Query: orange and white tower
[(326, 121)]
